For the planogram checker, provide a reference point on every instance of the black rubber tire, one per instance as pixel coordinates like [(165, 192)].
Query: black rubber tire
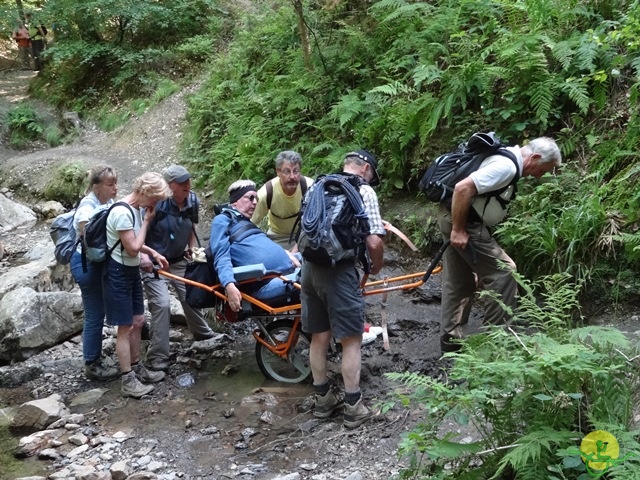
[(296, 368)]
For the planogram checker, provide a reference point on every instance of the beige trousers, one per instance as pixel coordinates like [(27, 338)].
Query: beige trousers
[(493, 268)]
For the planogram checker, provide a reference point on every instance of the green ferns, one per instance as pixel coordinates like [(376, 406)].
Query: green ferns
[(529, 395)]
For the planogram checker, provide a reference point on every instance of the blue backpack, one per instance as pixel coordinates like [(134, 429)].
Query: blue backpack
[(64, 237)]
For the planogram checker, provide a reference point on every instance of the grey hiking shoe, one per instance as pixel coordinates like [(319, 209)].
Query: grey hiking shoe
[(326, 404), (356, 415), (132, 387), (101, 369), (147, 376)]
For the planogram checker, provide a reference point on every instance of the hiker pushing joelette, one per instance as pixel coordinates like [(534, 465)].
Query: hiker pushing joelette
[(472, 212), (332, 301), (279, 199), (172, 234)]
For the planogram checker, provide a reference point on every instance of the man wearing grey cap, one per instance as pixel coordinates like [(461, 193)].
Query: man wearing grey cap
[(171, 233)]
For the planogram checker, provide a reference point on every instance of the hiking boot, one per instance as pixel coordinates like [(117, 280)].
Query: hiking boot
[(157, 366), (326, 404), (447, 346), (101, 369), (147, 376), (356, 415), (132, 387)]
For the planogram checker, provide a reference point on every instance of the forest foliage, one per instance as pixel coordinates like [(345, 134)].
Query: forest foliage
[(404, 79)]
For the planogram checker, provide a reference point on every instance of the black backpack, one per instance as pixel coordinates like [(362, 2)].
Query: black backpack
[(332, 222), (95, 247), (448, 169)]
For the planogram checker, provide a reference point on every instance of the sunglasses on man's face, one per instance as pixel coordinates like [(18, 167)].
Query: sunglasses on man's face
[(251, 197)]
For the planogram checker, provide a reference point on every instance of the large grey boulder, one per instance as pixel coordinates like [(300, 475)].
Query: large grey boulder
[(50, 209), (14, 215), (38, 414), (31, 321), (41, 273)]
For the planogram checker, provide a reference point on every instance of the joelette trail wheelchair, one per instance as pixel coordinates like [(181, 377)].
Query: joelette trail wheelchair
[(282, 348)]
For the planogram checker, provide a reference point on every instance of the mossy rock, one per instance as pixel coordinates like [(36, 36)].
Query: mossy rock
[(66, 184)]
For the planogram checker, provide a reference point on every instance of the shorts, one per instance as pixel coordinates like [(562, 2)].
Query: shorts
[(332, 300), (123, 293)]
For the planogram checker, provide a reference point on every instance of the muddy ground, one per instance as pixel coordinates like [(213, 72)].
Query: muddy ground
[(174, 417)]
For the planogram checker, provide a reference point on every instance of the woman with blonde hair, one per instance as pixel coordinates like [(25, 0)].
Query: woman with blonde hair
[(122, 282), (102, 189)]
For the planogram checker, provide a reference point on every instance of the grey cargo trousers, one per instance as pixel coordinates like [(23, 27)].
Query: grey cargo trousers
[(157, 292)]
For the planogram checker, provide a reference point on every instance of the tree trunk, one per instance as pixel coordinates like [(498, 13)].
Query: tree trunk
[(20, 8), (304, 34)]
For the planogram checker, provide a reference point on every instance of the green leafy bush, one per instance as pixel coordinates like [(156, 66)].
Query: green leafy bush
[(24, 125), (53, 136), (529, 395)]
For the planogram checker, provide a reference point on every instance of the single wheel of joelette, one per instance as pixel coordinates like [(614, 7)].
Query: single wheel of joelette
[(295, 368)]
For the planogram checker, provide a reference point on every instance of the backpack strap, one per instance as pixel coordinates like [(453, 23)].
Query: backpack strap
[(269, 187), (191, 214), (240, 226), (496, 193), (476, 217), (133, 220)]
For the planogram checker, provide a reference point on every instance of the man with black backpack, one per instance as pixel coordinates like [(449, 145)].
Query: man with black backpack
[(479, 202), (279, 199), (171, 234), (332, 301)]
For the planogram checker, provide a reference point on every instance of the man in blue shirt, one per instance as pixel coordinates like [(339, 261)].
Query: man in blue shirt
[(236, 242), (172, 234)]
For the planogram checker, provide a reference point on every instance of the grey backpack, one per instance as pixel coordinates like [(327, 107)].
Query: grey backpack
[(333, 222)]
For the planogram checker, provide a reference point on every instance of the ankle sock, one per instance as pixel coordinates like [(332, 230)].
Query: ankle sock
[(352, 398), (323, 389)]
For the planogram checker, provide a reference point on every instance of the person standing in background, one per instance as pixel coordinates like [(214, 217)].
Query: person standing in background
[(21, 36), (37, 35)]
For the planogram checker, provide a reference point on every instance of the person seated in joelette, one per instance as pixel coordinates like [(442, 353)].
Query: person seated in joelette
[(236, 242)]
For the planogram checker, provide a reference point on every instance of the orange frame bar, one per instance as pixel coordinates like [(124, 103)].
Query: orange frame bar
[(282, 349)]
